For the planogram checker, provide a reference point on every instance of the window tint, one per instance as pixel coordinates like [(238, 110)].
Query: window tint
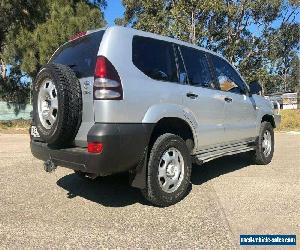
[(197, 67), (154, 58), (228, 78), (80, 54)]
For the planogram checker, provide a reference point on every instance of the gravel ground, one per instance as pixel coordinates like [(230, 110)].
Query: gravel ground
[(229, 197)]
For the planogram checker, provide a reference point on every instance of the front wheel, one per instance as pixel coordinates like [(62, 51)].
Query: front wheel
[(168, 171), (264, 150)]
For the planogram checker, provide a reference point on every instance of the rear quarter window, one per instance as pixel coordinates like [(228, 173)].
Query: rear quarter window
[(155, 58), (80, 54)]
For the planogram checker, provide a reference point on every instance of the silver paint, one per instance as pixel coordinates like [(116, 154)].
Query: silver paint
[(212, 120)]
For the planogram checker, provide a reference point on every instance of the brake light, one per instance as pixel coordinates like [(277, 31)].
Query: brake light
[(78, 35), (107, 83), (95, 147)]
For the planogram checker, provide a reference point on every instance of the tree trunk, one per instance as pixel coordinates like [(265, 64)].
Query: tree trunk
[(193, 29), (3, 70)]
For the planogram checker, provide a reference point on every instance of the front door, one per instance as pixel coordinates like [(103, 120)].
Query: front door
[(240, 109)]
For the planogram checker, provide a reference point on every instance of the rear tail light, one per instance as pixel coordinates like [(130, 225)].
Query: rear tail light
[(95, 147), (107, 83)]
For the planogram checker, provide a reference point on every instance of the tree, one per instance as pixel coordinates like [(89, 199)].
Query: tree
[(282, 44), (31, 30), (33, 47), (294, 79), (13, 15), (225, 26), (13, 88)]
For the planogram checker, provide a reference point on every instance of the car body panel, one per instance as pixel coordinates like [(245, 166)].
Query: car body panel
[(241, 117), (208, 110)]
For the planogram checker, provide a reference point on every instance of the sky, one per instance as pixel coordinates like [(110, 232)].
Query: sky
[(114, 9)]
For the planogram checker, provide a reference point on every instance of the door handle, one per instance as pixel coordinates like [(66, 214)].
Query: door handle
[(192, 95), (228, 99)]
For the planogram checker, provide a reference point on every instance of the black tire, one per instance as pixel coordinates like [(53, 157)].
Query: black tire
[(258, 155), (66, 125), (153, 191)]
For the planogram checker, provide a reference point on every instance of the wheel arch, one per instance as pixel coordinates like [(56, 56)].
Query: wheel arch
[(270, 119), (176, 126), (172, 118)]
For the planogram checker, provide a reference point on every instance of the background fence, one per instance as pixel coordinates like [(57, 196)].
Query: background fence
[(13, 111)]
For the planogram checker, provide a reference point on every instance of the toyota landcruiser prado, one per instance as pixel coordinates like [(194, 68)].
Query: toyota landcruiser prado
[(118, 99)]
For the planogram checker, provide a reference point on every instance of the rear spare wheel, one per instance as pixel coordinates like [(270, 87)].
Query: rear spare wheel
[(57, 104)]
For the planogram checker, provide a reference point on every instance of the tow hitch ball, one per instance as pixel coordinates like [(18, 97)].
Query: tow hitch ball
[(49, 166)]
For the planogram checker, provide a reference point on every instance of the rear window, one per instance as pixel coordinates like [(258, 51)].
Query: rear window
[(155, 58), (80, 54)]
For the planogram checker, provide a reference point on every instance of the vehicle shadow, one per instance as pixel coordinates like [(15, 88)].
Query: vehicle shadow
[(114, 191), (111, 191), (218, 167)]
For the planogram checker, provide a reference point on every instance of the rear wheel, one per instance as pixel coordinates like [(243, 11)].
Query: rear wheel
[(264, 150), (168, 171)]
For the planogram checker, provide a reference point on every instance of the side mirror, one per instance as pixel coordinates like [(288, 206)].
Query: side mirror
[(255, 88)]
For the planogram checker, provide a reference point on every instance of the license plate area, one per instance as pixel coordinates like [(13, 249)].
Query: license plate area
[(34, 132)]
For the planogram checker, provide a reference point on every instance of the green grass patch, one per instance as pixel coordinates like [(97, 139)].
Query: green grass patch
[(290, 120)]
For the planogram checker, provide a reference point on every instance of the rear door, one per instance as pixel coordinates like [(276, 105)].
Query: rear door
[(201, 97), (80, 55), (240, 109)]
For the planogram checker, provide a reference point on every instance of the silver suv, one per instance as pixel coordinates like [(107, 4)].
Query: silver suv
[(118, 99)]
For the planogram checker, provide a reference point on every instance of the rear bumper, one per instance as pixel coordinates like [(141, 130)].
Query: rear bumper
[(74, 158), (123, 148)]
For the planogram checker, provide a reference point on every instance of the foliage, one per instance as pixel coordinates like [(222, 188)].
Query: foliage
[(13, 89), (30, 31), (295, 73), (227, 27), (64, 18), (260, 37)]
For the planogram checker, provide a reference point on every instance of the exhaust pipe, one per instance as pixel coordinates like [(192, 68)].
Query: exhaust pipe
[(49, 166)]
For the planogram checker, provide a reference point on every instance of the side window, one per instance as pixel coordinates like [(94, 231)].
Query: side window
[(197, 67), (227, 77), (155, 58)]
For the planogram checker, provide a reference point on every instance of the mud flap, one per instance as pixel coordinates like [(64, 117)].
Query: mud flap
[(138, 177)]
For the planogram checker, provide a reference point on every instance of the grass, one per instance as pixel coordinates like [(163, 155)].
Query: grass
[(290, 120), (19, 126)]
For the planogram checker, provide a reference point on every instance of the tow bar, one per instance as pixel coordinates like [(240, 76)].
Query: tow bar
[(49, 166)]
